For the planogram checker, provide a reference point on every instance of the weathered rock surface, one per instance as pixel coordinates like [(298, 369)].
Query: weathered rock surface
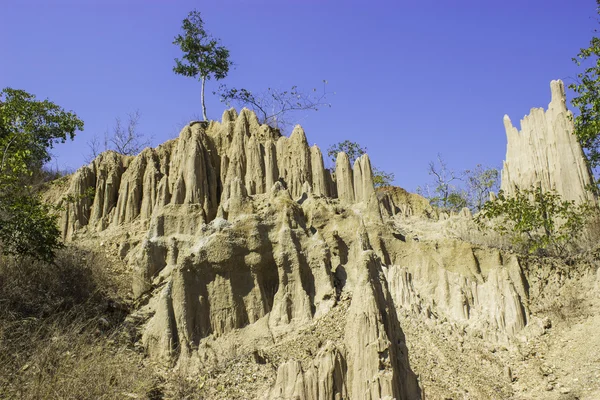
[(324, 379), (479, 288), (545, 152), (397, 201), (245, 249), (344, 177), (211, 166)]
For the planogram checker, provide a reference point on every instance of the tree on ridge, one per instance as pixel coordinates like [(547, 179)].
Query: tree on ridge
[(204, 58)]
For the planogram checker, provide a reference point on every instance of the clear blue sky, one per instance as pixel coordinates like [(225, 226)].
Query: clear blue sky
[(412, 77)]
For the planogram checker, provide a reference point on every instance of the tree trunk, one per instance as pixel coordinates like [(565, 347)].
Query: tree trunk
[(202, 98)]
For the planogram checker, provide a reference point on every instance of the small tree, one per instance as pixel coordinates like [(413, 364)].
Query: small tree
[(95, 147), (535, 220), (203, 56), (128, 139), (480, 182), (445, 193), (354, 150), (274, 107), (124, 139), (28, 129)]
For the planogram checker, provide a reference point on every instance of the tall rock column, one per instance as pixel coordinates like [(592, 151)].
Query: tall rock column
[(293, 161), (320, 186), (363, 179), (378, 366), (343, 174), (545, 152)]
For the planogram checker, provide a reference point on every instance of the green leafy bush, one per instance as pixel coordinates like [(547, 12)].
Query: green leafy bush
[(29, 228), (536, 220)]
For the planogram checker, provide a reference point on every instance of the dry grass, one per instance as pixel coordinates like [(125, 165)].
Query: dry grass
[(182, 385), (47, 360), (63, 335)]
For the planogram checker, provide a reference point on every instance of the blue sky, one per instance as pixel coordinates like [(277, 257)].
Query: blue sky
[(413, 78)]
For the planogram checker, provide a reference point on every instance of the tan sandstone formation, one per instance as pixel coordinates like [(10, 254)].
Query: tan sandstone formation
[(397, 201), (248, 253), (202, 170), (345, 181), (545, 152)]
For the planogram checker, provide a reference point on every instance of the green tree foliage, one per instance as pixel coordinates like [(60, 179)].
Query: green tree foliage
[(587, 100), (29, 128), (535, 220), (275, 107), (204, 58), (382, 178), (354, 150)]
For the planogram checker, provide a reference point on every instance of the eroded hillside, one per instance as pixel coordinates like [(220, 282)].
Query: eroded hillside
[(263, 274)]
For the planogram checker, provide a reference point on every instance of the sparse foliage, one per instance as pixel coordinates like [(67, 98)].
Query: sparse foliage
[(88, 194), (535, 220), (63, 333), (128, 139), (29, 128), (382, 178), (480, 182), (445, 193), (96, 146), (275, 107), (452, 191), (354, 150), (125, 138), (204, 58)]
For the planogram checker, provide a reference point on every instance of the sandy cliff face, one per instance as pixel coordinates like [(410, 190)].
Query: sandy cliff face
[(245, 247), (545, 152)]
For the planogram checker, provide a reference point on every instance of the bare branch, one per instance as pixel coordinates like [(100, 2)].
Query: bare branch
[(274, 107), (126, 139), (95, 149)]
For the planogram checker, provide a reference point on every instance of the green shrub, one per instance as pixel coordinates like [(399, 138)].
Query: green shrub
[(536, 220)]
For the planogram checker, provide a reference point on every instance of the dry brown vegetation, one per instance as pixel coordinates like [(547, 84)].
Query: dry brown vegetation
[(63, 333)]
